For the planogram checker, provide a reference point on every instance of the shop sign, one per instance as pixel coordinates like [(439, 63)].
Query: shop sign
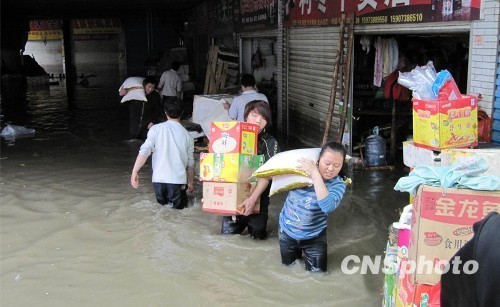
[(92, 37), (43, 30), (304, 13), (257, 15), (221, 16), (97, 26)]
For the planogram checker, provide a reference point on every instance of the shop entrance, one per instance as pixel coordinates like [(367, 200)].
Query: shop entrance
[(373, 104)]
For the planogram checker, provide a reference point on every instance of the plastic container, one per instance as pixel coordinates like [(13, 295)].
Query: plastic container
[(375, 149)]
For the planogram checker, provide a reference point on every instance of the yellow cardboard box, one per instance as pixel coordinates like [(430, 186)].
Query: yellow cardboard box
[(224, 197), (232, 167), (445, 124)]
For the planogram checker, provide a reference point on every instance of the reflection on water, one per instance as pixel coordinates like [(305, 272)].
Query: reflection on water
[(73, 231)]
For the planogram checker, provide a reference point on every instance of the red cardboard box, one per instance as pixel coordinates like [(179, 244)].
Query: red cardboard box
[(442, 224), (223, 198), (233, 137), (412, 294), (439, 124)]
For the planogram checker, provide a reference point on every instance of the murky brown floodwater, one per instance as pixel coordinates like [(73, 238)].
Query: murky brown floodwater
[(74, 233)]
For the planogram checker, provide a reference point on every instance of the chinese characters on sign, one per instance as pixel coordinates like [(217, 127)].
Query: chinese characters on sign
[(328, 12), (257, 15)]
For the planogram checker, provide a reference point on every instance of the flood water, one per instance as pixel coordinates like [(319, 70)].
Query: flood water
[(74, 233)]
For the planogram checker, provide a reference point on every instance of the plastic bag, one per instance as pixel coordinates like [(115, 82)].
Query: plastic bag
[(13, 131), (420, 81)]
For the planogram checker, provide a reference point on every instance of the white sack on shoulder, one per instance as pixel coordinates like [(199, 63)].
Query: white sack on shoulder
[(135, 90), (282, 183), (286, 162)]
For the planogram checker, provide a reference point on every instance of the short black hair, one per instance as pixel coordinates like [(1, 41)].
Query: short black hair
[(173, 110), (262, 108), (149, 79), (175, 65), (247, 80)]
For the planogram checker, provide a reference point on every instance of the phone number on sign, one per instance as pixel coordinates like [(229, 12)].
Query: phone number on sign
[(407, 18)]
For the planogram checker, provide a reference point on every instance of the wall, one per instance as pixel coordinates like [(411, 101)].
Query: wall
[(48, 54), (484, 45), (99, 60)]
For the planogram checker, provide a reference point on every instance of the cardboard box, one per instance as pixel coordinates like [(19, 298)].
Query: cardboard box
[(442, 224), (233, 137), (410, 294), (453, 155), (232, 167), (445, 124), (223, 198), (414, 155)]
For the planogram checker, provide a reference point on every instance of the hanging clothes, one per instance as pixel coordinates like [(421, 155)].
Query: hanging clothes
[(390, 56), (379, 63)]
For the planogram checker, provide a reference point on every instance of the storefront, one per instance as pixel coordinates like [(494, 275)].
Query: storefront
[(259, 47), (450, 33)]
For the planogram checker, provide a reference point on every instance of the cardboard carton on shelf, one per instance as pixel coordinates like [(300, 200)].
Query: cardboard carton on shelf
[(415, 155), (439, 124)]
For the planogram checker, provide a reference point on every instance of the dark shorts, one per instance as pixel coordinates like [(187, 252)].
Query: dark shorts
[(171, 194), (314, 251), (256, 223)]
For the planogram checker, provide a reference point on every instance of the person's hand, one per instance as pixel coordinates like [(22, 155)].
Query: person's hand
[(308, 166), (150, 125), (226, 105), (246, 207), (190, 187), (123, 91), (134, 180)]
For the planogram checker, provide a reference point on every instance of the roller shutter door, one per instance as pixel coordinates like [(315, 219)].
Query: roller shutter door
[(311, 56)]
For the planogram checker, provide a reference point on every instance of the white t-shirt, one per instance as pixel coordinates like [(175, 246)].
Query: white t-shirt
[(172, 147)]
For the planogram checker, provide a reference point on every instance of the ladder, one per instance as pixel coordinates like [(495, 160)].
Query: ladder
[(341, 79), (215, 79)]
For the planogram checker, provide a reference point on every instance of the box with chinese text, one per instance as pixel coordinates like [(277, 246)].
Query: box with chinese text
[(445, 124), (411, 294), (233, 137), (224, 198), (231, 167), (442, 224)]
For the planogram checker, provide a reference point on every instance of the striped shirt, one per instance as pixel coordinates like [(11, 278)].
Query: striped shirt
[(303, 216)]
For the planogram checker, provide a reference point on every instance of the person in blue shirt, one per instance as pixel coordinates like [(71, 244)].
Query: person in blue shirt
[(236, 110), (303, 219)]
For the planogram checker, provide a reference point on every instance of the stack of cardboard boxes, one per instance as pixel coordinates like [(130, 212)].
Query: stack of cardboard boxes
[(226, 169), (442, 218)]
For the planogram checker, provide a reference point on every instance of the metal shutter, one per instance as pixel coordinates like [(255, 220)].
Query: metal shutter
[(311, 56)]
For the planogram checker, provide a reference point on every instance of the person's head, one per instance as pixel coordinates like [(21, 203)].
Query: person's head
[(258, 112), (173, 110), (175, 65), (149, 84), (331, 159), (247, 80)]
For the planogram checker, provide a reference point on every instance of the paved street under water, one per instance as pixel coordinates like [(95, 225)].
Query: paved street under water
[(74, 233)]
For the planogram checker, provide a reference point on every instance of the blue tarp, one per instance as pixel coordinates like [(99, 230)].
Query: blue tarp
[(468, 174)]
